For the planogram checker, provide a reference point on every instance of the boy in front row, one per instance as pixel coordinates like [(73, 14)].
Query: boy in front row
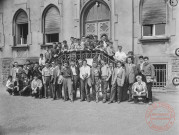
[(9, 85), (36, 86)]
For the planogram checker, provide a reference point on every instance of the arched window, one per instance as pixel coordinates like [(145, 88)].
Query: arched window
[(21, 27), (96, 19), (153, 17), (51, 25)]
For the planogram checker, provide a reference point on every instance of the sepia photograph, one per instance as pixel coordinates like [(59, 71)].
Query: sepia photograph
[(89, 67)]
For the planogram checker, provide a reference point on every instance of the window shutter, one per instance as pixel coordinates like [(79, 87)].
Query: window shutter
[(22, 18), (153, 12), (52, 21)]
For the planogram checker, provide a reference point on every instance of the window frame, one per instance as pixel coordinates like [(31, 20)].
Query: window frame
[(153, 32), (15, 30)]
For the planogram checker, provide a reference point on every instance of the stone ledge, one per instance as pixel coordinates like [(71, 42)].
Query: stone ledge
[(21, 47), (153, 40), (46, 45)]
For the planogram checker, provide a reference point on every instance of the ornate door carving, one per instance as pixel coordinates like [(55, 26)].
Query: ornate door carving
[(91, 29), (104, 28)]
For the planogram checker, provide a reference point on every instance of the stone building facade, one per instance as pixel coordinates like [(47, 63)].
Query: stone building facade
[(147, 27)]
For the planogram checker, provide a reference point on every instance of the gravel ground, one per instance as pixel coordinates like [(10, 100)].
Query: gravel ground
[(29, 116)]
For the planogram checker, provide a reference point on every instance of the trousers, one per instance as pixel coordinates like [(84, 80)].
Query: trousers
[(116, 90), (149, 88), (75, 83), (67, 85), (46, 86), (85, 91), (104, 87)]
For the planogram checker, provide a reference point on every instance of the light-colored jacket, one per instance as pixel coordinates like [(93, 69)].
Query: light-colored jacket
[(118, 76)]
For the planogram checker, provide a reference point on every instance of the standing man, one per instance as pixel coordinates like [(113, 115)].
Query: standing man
[(59, 79), (48, 55), (67, 82), (118, 79), (131, 72), (111, 67), (105, 75), (140, 68), (80, 64), (75, 71), (149, 73), (41, 60), (54, 52), (120, 55), (54, 73), (84, 76), (46, 76), (95, 79), (52, 84), (14, 71)]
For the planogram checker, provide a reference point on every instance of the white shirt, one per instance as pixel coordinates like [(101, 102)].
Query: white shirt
[(104, 44), (73, 70), (9, 84), (42, 61), (121, 56), (84, 70), (141, 65)]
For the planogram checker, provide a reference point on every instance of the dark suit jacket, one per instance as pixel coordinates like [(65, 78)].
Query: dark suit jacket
[(131, 72), (77, 71), (20, 84), (118, 77)]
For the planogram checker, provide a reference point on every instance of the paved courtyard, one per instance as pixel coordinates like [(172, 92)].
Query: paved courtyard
[(28, 116)]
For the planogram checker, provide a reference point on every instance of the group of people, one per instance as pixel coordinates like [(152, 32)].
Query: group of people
[(89, 43), (48, 78)]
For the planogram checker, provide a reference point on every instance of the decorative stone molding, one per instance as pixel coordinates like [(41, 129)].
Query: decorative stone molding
[(153, 40)]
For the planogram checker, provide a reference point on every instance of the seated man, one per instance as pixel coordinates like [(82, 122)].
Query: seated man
[(139, 90), (18, 86), (26, 91), (9, 85), (36, 86)]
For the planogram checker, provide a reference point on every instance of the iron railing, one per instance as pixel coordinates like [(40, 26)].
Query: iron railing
[(161, 76), (86, 54)]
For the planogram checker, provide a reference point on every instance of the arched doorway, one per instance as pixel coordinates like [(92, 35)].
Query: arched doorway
[(96, 19)]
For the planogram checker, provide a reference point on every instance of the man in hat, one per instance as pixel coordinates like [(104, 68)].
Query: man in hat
[(84, 78), (120, 55), (46, 77), (67, 81), (95, 80)]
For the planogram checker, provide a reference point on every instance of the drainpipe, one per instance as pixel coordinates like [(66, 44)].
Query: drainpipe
[(133, 26)]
